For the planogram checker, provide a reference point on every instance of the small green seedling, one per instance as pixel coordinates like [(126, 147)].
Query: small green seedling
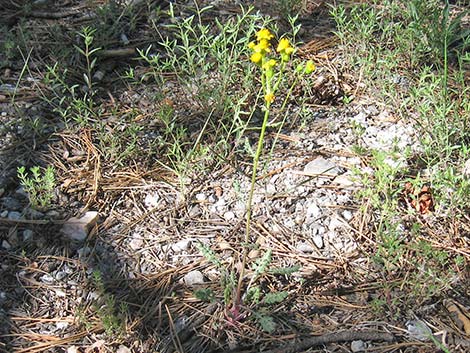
[(39, 185)]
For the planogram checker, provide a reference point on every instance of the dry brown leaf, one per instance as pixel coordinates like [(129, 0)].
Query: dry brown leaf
[(421, 200), (460, 315)]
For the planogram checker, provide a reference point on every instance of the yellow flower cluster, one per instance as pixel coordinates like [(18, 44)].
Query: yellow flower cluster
[(259, 56), (262, 47), (285, 49)]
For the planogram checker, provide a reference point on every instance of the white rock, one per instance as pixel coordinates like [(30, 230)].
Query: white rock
[(229, 216), (20, 191), (47, 278), (123, 349), (275, 229), (321, 166), (358, 346), (313, 211), (94, 295), (181, 246), (194, 277), (346, 180), (60, 275), (466, 169), (28, 234), (301, 190), (220, 204), (305, 247), (299, 219), (318, 241), (14, 215), (334, 224), (395, 163), (60, 293), (136, 243), (72, 349), (360, 119), (77, 229), (60, 325), (347, 215), (356, 161), (6, 245), (342, 199), (98, 76), (289, 223), (151, 200), (271, 188), (3, 297), (53, 214), (194, 211), (201, 197), (418, 329)]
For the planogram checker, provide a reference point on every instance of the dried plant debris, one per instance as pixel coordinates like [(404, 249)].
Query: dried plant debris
[(419, 199)]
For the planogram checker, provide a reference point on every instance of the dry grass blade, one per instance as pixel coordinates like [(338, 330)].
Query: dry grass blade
[(56, 341)]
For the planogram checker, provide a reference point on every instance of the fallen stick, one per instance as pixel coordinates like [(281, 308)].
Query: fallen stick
[(344, 336), (336, 337)]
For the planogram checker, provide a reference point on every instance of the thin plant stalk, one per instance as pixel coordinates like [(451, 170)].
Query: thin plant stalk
[(249, 203)]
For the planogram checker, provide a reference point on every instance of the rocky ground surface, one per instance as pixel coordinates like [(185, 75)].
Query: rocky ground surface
[(115, 265)]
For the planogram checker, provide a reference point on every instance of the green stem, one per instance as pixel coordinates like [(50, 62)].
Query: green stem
[(283, 106), (250, 202)]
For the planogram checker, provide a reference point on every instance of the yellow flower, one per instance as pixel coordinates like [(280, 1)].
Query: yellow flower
[(309, 67), (269, 97), (268, 65), (285, 49), (262, 46), (284, 46), (256, 57), (264, 34)]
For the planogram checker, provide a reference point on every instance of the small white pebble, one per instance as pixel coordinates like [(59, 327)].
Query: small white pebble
[(318, 241), (193, 278), (6, 245), (60, 293), (347, 215), (201, 197), (61, 325), (358, 346), (229, 215)]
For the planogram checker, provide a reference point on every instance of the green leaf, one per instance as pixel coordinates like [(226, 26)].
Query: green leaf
[(284, 270), (262, 264), (86, 79), (204, 294), (80, 50), (253, 295), (266, 322), (274, 298), (209, 254)]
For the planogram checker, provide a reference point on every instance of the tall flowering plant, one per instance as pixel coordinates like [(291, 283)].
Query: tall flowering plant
[(272, 64)]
